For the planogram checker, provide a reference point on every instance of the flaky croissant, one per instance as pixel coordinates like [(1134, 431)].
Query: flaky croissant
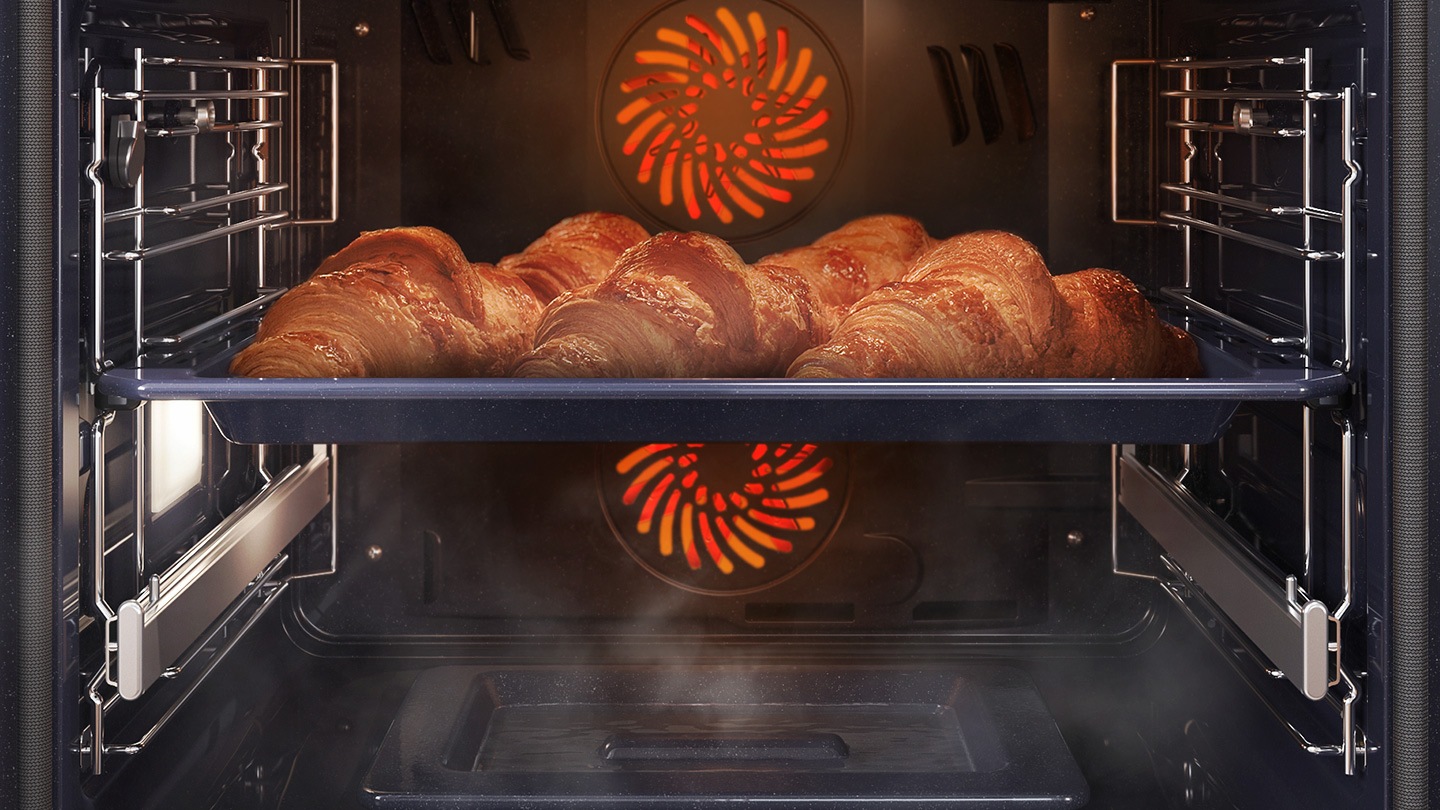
[(677, 305), (1114, 332), (401, 302), (984, 305), (845, 264), (404, 302), (578, 250)]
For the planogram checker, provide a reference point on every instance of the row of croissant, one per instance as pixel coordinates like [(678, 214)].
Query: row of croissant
[(598, 296)]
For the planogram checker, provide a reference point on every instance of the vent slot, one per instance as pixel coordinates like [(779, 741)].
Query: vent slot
[(951, 101), (510, 30), (1017, 90), (982, 85)]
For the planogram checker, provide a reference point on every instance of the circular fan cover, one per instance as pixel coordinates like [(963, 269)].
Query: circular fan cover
[(723, 518), (724, 117)]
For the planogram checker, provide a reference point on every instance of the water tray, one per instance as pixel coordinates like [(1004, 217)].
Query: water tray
[(976, 737), (344, 411)]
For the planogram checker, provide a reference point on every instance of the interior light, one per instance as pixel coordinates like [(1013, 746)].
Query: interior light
[(176, 451)]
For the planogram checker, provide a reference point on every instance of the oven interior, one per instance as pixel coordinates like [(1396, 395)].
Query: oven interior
[(533, 623)]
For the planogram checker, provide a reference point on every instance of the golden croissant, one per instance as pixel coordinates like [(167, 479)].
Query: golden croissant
[(404, 302), (985, 305), (845, 264), (678, 305)]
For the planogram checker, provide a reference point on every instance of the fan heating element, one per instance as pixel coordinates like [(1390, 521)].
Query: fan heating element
[(723, 518), (730, 118)]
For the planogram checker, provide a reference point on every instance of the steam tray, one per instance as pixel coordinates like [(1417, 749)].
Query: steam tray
[(977, 737)]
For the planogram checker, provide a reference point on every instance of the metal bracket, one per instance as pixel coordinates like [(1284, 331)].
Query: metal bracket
[(1289, 628), (161, 623)]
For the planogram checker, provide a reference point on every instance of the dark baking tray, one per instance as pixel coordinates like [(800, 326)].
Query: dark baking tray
[(613, 737), (346, 411)]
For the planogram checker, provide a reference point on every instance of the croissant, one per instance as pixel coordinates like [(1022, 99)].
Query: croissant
[(845, 264), (677, 305), (577, 251), (401, 302), (404, 302), (1114, 332), (984, 305)]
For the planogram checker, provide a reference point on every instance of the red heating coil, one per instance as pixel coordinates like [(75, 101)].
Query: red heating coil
[(710, 523), (724, 114)]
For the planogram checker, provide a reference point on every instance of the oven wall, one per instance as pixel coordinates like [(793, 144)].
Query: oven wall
[(479, 145)]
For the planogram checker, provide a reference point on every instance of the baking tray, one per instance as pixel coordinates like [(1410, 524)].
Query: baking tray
[(360, 410), (616, 737)]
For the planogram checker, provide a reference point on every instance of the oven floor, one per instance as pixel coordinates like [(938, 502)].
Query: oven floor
[(1148, 725), (619, 737), (314, 732)]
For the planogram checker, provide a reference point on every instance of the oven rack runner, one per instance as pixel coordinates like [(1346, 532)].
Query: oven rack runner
[(227, 98), (161, 644), (1290, 634), (1247, 118), (177, 625)]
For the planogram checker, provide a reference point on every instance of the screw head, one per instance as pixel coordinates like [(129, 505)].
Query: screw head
[(362, 28), (374, 552), (1087, 13), (1074, 538)]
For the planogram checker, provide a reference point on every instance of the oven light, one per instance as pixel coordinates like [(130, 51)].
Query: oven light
[(177, 451)]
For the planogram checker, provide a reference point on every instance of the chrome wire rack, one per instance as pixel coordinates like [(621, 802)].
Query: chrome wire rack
[(1211, 111), (171, 590), (245, 103)]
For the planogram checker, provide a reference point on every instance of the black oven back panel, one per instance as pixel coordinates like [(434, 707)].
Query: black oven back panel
[(902, 106), (516, 540)]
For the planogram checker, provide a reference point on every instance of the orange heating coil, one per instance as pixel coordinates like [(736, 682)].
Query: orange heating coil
[(725, 525), (724, 114)]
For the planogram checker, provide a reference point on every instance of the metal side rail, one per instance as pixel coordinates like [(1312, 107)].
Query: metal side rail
[(1277, 621), (1291, 631), (157, 627)]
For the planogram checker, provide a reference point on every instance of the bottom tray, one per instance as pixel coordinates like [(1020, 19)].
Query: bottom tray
[(342, 411), (977, 737)]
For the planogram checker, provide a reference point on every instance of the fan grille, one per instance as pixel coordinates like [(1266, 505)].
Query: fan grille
[(726, 118), (723, 518)]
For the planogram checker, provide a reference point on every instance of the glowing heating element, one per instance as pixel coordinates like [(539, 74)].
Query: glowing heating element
[(725, 115), (727, 514), (176, 451)]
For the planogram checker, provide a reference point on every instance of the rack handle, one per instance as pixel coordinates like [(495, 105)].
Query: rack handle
[(1115, 67)]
